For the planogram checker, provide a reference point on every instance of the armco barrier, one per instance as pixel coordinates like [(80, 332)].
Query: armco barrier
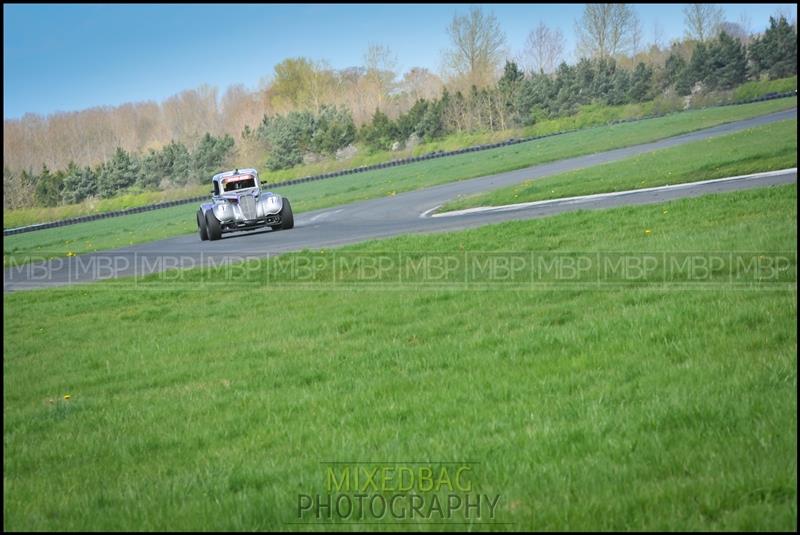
[(362, 169)]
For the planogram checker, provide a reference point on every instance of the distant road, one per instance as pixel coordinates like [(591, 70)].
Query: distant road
[(387, 216)]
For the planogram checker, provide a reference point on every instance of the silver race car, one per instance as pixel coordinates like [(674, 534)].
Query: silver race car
[(238, 203)]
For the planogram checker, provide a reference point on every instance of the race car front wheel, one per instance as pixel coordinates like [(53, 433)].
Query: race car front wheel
[(287, 217), (212, 226), (201, 226)]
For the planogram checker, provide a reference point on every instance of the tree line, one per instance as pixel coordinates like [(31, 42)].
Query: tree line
[(171, 166), (307, 108), (517, 99)]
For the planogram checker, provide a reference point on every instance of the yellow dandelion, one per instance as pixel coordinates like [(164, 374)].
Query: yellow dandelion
[(647, 232), (67, 397)]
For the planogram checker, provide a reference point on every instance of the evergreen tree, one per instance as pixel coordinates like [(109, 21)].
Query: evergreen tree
[(641, 83), (602, 84), (411, 121), (48, 187), (289, 137), (512, 76), (210, 155), (177, 163), (566, 91), (620, 88), (153, 169), (432, 125), (683, 85), (509, 87), (118, 174), (262, 132), (699, 67), (535, 98), (380, 133), (674, 72), (584, 81), (205, 154), (87, 186), (334, 129), (71, 192), (775, 53), (727, 63)]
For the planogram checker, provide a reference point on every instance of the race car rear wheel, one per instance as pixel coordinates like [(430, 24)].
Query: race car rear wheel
[(213, 227), (201, 226), (287, 217)]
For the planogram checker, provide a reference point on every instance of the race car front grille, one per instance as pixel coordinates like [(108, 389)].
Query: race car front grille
[(248, 205)]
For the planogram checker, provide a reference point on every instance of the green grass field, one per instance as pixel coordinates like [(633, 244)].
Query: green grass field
[(160, 224), (760, 88), (765, 148), (203, 403), (40, 214)]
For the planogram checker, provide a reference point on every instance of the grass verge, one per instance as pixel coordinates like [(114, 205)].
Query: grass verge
[(751, 90), (765, 148), (208, 405)]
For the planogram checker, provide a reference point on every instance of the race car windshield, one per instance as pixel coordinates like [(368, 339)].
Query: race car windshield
[(240, 183)]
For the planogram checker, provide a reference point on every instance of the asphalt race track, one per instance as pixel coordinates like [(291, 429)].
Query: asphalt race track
[(383, 217)]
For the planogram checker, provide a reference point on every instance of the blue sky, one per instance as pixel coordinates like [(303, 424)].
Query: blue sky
[(72, 57)]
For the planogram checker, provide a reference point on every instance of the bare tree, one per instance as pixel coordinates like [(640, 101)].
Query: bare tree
[(192, 113), (735, 30), (658, 35), (604, 30), (240, 108), (747, 25), (702, 21), (320, 85), (420, 83), (637, 34), (353, 93), (478, 48), (544, 50), (380, 58), (14, 192), (380, 65), (90, 136)]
